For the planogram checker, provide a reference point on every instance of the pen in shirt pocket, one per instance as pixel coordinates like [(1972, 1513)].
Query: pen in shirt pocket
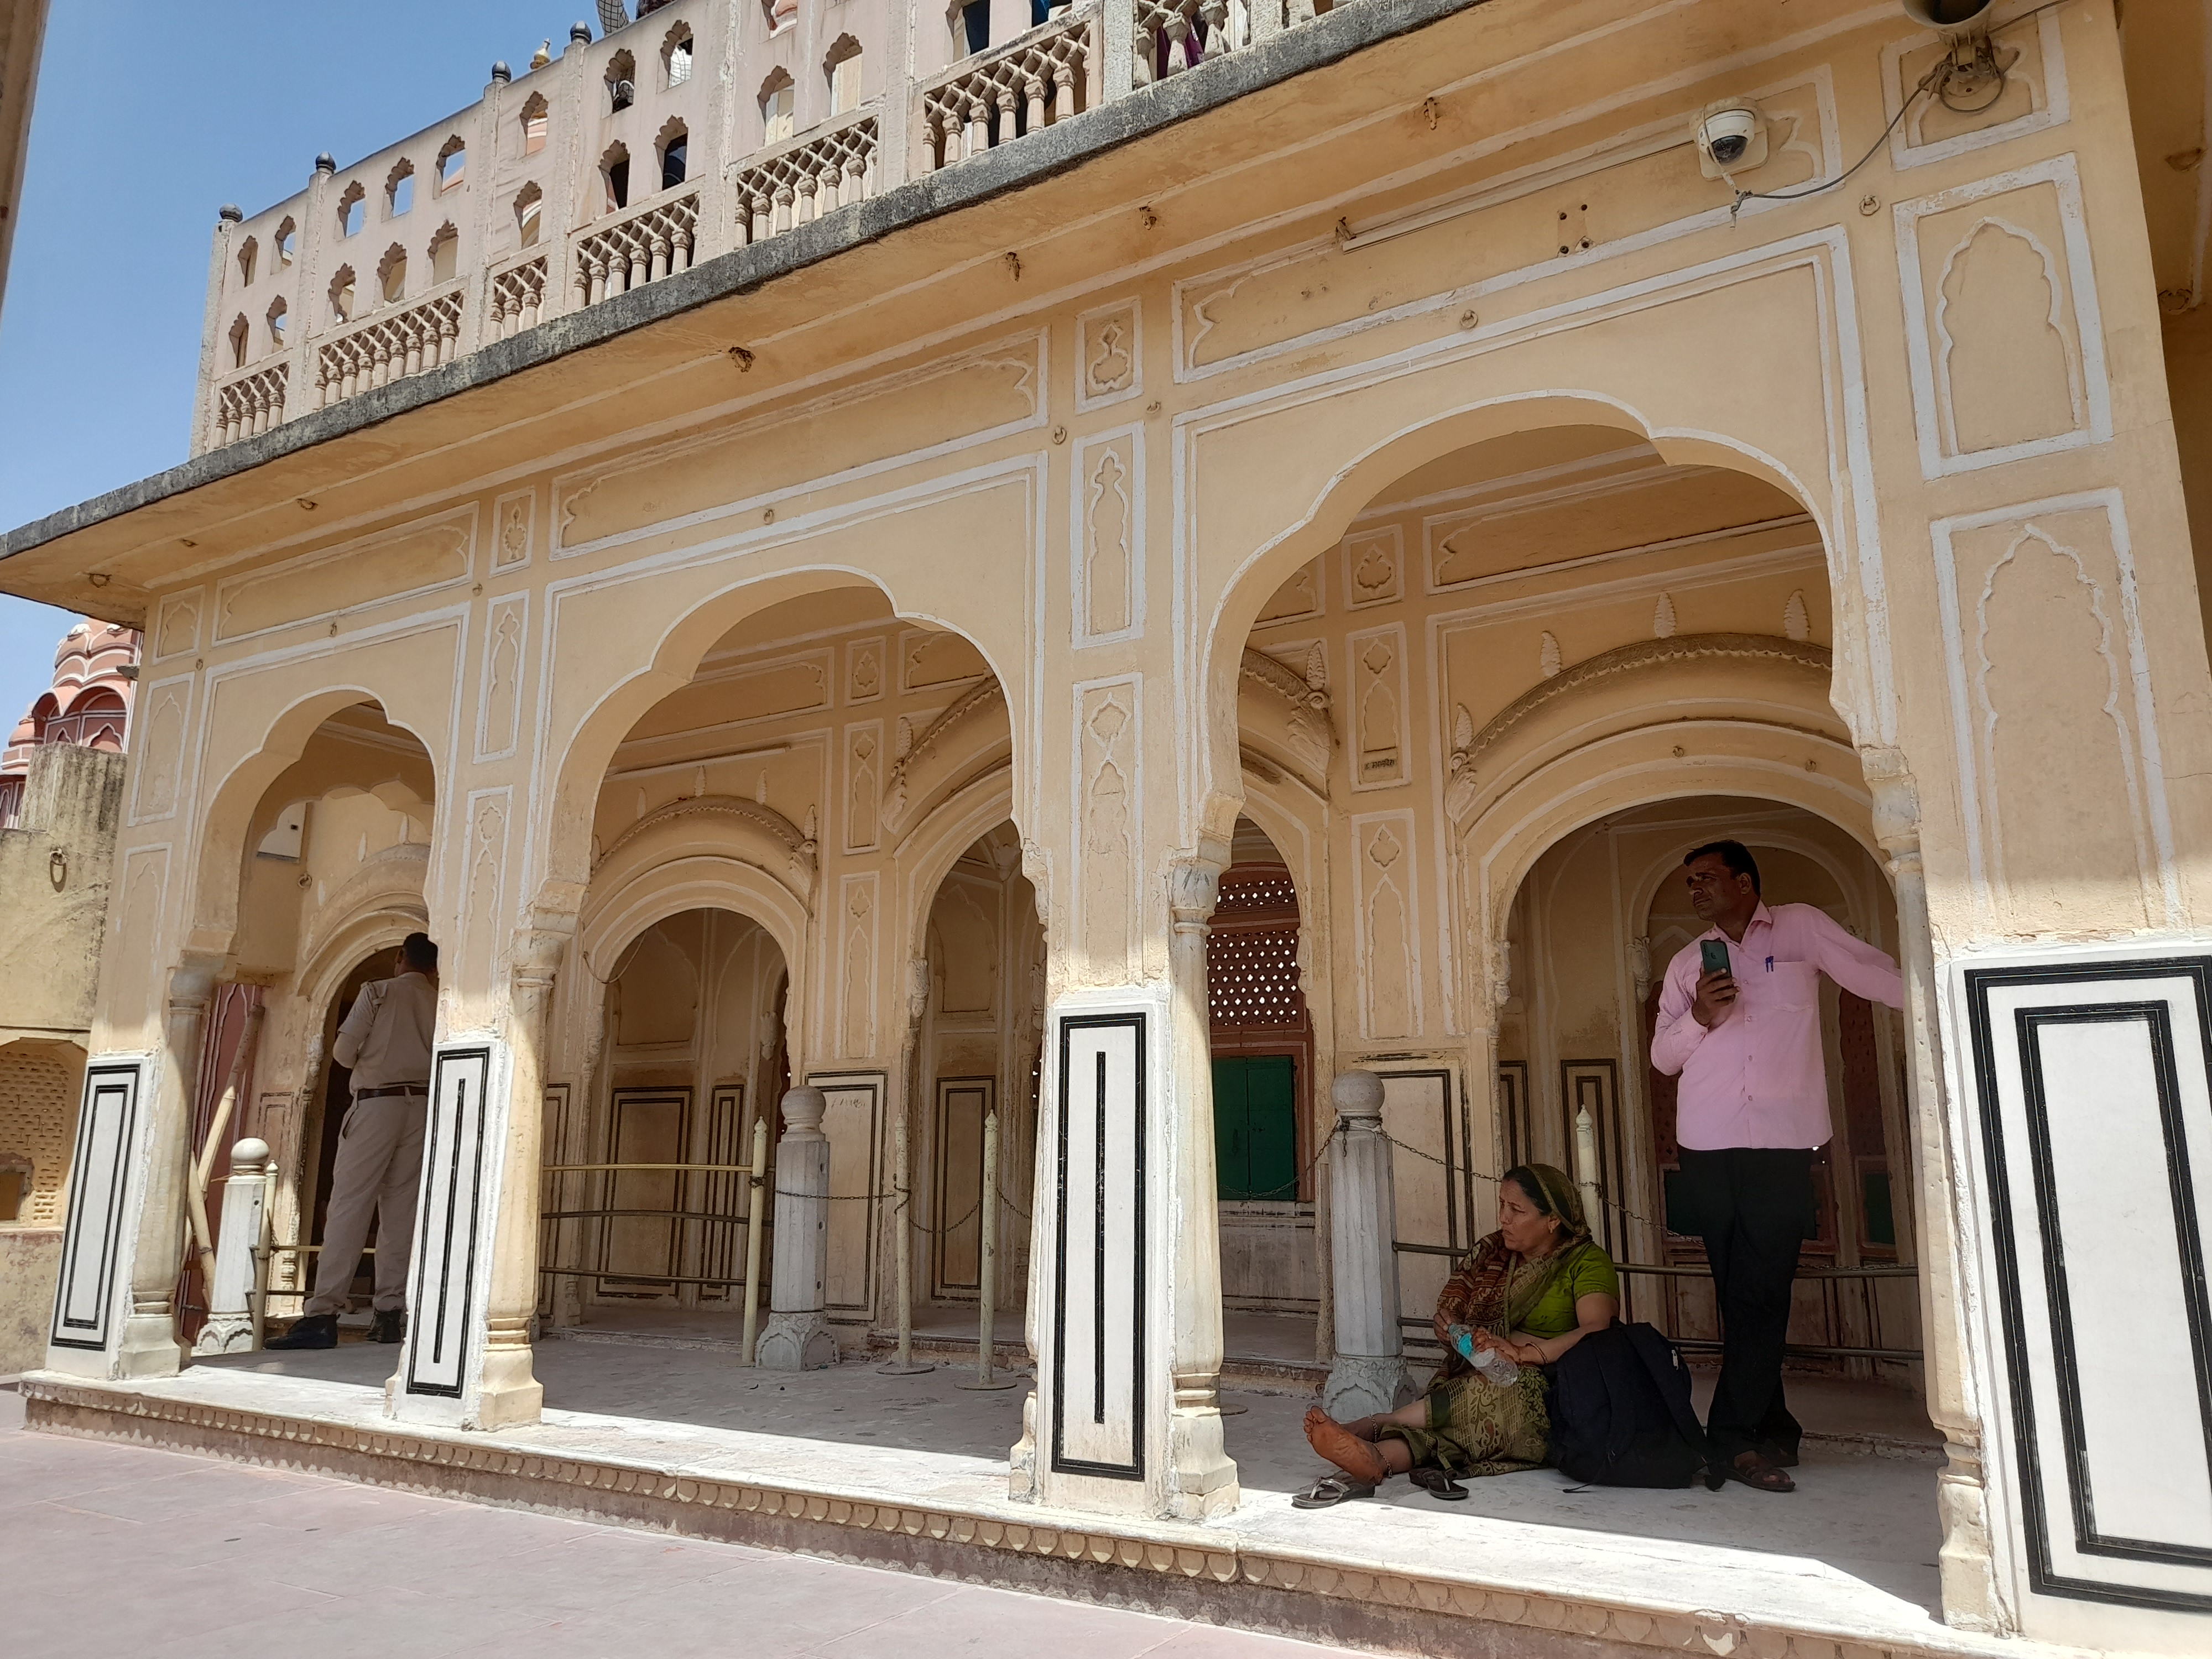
[(1770, 964)]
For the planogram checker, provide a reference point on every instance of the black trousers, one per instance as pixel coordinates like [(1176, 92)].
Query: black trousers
[(1753, 1205)]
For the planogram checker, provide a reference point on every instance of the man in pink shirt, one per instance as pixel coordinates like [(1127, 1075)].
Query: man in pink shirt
[(1753, 1108)]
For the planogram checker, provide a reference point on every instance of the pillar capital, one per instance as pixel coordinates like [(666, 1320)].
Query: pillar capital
[(804, 1108)]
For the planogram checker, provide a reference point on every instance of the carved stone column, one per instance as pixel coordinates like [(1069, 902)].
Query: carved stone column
[(1201, 1478), (510, 1392), (229, 1327), (148, 1344), (1972, 1596), (1368, 1373), (797, 1337)]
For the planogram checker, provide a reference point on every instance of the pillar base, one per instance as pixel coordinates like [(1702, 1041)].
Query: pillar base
[(226, 1333), (1365, 1385), (149, 1348), (1201, 1475), (512, 1395), (796, 1342), (1020, 1457)]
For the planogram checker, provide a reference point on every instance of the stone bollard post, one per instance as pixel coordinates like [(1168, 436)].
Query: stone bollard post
[(1370, 1374), (797, 1337), (230, 1322)]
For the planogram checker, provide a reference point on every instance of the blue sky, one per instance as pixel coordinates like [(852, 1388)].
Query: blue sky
[(151, 114)]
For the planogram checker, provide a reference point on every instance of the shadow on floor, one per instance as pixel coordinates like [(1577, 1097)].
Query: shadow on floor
[(1871, 1517)]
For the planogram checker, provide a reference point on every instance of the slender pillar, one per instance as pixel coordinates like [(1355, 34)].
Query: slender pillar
[(1201, 1479), (798, 1338), (510, 1392), (917, 1004), (148, 1344), (1972, 1596), (231, 1327), (1368, 1373)]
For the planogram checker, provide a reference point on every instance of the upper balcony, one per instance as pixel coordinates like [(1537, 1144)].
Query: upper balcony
[(698, 127)]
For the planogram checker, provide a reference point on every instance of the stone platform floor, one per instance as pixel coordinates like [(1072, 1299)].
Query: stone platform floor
[(1865, 1519), (253, 1563)]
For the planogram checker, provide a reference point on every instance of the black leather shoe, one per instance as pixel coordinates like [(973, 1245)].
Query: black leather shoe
[(390, 1325), (310, 1331)]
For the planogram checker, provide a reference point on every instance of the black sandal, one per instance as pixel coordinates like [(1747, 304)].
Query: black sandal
[(1438, 1484), (1330, 1490)]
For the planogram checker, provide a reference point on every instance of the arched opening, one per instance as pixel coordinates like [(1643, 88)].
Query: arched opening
[(622, 83), (241, 342), (342, 295), (1528, 673), (614, 176), (801, 872), (445, 254), (1261, 1046), (452, 164), (352, 208), (674, 144), (392, 274), (248, 254), (335, 852), (536, 122), (277, 311), (676, 53), (779, 100), (840, 68), (529, 205), (399, 190), (287, 242), (690, 1054)]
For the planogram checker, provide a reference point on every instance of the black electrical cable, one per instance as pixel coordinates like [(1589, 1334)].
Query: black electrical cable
[(1941, 74)]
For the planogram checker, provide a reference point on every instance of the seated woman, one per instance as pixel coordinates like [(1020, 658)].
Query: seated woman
[(1530, 1291)]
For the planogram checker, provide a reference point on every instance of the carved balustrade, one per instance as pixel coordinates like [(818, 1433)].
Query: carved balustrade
[(1035, 80), (1174, 35), (801, 181), (389, 345), (249, 404), (514, 296), (642, 245)]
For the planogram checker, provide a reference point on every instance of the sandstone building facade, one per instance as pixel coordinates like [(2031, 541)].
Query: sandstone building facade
[(1086, 571)]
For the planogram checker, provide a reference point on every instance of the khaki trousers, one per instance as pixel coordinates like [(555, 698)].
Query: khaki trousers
[(380, 1165)]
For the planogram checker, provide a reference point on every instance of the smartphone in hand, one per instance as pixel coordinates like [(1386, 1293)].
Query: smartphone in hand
[(1714, 955)]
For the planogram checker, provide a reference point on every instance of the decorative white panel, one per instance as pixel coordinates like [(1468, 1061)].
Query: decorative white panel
[(1097, 1403), (854, 1123), (92, 1241), (2094, 1080), (452, 1267)]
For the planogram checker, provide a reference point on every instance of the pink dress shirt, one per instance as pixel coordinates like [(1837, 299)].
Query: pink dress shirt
[(1759, 1077)]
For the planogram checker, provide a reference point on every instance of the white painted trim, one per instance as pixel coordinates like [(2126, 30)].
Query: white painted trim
[(1134, 304), (2145, 768), (1929, 406), (518, 602), (2058, 103), (1078, 508), (348, 552)]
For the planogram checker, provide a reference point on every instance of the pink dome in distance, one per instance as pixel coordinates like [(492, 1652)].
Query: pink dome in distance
[(92, 655)]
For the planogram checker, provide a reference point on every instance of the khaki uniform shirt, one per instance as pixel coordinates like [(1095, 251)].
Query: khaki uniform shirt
[(386, 1038)]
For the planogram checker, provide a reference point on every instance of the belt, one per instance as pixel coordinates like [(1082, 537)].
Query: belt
[(394, 1089)]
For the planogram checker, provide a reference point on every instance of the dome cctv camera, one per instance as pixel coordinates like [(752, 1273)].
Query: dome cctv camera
[(1731, 139), (1951, 19)]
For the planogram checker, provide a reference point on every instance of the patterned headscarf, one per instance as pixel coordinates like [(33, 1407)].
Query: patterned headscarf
[(1495, 1288)]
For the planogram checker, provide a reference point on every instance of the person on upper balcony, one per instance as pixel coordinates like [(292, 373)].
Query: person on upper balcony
[(1740, 1023)]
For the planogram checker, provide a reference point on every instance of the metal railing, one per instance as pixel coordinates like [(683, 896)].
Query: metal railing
[(754, 1220)]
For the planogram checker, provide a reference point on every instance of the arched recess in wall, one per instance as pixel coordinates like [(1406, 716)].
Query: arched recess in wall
[(289, 765), (1358, 467), (585, 745)]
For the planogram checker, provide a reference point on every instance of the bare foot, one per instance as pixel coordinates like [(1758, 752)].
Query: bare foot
[(1356, 1457)]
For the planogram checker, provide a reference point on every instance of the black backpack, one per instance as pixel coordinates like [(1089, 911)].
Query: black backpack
[(1621, 1414)]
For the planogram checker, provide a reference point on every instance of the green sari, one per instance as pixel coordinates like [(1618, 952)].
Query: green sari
[(1474, 1426)]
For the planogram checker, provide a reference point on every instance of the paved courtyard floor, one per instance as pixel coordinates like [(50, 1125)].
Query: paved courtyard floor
[(113, 1549)]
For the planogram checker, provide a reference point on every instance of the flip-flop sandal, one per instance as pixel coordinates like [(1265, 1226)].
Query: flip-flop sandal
[(1439, 1483), (1330, 1490)]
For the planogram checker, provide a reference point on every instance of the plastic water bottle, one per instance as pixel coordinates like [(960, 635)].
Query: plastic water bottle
[(1492, 1366)]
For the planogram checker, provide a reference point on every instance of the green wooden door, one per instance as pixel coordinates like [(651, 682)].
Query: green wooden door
[(1256, 1138)]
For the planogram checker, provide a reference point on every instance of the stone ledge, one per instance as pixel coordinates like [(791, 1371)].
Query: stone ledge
[(1209, 1574)]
